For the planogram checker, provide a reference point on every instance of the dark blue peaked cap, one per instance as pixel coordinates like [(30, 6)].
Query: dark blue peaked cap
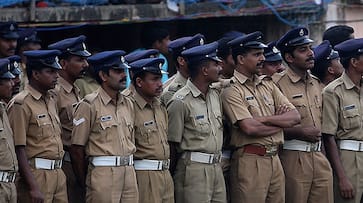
[(324, 52), (295, 37), (41, 58), (5, 69), (15, 64), (9, 30), (271, 52), (350, 47), (202, 52), (152, 65), (141, 54), (252, 40), (28, 35), (108, 59), (74, 46), (179, 45)]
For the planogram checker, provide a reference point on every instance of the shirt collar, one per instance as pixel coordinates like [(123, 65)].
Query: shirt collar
[(347, 81), (65, 84), (107, 99), (243, 79), (141, 102), (195, 91), (294, 77), (180, 78), (35, 93)]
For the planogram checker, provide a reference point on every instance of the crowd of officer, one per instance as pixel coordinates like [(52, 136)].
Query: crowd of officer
[(240, 121)]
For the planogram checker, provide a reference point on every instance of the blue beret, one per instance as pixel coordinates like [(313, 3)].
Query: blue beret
[(271, 53), (232, 34), (324, 52), (15, 64), (74, 46), (141, 54), (5, 69), (202, 52), (28, 35), (295, 37), (40, 58), (152, 65), (9, 30), (350, 47), (108, 59), (179, 45), (252, 40)]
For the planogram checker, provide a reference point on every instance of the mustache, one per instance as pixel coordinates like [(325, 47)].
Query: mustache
[(259, 64), (309, 59)]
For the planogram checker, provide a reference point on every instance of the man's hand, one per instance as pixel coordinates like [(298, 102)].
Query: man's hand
[(346, 188), (36, 196), (281, 109), (311, 134)]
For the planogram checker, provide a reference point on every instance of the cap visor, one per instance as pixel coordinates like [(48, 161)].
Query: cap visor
[(10, 35), (16, 71), (215, 58), (275, 57), (7, 75), (83, 53), (54, 65), (303, 41)]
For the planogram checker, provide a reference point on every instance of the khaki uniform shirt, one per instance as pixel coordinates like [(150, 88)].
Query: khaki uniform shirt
[(86, 85), (104, 128), (68, 97), (35, 123), (8, 160), (151, 124), (304, 94), (343, 109), (169, 90), (23, 77), (195, 120), (247, 98)]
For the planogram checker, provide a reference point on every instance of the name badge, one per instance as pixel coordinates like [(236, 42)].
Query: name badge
[(106, 118), (147, 123), (79, 121), (295, 96), (41, 116), (349, 107), (198, 117), (249, 98)]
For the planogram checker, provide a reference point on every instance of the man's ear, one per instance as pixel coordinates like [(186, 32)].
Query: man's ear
[(289, 58), (63, 63), (102, 75), (138, 82), (330, 70), (240, 59)]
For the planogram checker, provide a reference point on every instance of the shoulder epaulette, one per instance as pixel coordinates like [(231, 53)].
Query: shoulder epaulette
[(181, 93), (19, 98), (332, 85), (126, 92), (277, 76), (89, 98)]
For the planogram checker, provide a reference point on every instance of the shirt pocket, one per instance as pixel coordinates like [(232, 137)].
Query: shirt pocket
[(301, 107), (148, 134), (108, 130), (201, 124), (351, 119), (270, 104), (45, 125), (253, 108)]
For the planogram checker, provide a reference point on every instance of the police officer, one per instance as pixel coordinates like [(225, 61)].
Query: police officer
[(8, 160), (15, 69), (103, 135), (327, 63), (258, 112), (37, 132), (342, 123), (151, 123), (308, 173), (176, 47), (196, 130), (28, 40), (273, 60), (74, 64), (8, 38)]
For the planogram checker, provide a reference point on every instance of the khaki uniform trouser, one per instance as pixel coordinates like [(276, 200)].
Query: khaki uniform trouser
[(308, 177), (353, 167), (52, 184), (155, 186), (199, 183), (7, 192), (75, 192), (256, 178), (226, 165), (111, 184)]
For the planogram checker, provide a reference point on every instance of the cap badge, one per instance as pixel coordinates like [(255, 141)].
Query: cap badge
[(12, 28), (84, 46), (56, 59), (301, 32), (201, 41), (16, 65), (160, 65), (275, 50), (122, 59), (9, 68)]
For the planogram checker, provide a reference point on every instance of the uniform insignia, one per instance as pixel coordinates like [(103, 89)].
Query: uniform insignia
[(301, 33), (275, 50), (295, 96), (9, 68), (147, 123), (201, 42), (349, 107), (39, 116), (79, 121), (12, 28), (198, 117), (84, 46), (122, 59), (249, 98), (106, 118), (179, 96)]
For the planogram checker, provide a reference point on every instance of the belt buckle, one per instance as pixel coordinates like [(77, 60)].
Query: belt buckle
[(270, 150), (11, 177), (166, 164), (57, 164), (217, 158), (123, 161)]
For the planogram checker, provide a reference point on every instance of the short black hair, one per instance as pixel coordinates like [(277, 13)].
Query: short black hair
[(320, 68), (345, 61), (97, 77), (239, 51), (140, 74), (194, 68), (151, 34), (338, 34)]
